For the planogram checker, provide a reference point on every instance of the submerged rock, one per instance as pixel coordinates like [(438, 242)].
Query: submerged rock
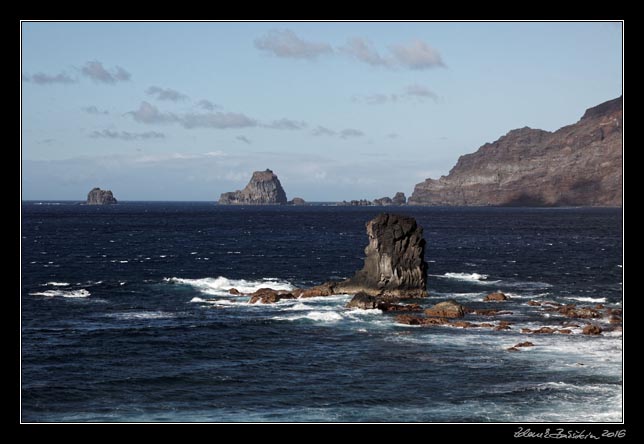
[(264, 188), (496, 296), (592, 329), (388, 306), (394, 265), (364, 301), (100, 197)]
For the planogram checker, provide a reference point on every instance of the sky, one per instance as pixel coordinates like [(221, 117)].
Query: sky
[(338, 110)]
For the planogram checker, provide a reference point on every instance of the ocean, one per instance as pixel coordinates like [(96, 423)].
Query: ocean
[(126, 316)]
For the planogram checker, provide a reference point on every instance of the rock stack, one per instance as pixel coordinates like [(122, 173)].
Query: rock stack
[(100, 197), (394, 266), (264, 188)]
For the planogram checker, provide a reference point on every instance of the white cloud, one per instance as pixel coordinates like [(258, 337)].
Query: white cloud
[(150, 114), (216, 120), (41, 78), (322, 131), (420, 91), (286, 124), (97, 72), (125, 135), (350, 132), (284, 43), (207, 105), (94, 110), (415, 91), (165, 94), (363, 50), (417, 55)]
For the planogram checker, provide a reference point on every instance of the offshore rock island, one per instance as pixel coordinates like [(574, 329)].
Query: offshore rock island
[(264, 188), (577, 165), (100, 197)]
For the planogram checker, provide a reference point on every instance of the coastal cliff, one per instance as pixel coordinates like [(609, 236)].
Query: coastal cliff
[(264, 188), (577, 165)]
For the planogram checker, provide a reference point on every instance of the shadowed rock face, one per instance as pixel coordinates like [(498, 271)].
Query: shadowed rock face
[(579, 165), (100, 197), (395, 264), (264, 188)]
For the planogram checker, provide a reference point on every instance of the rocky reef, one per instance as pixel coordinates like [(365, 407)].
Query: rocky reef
[(397, 200), (100, 197), (577, 165), (264, 188)]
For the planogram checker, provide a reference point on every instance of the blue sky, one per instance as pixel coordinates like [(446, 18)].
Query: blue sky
[(350, 110)]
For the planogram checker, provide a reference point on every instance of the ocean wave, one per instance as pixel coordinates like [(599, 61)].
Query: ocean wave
[(323, 316), (219, 286), (57, 284), (141, 315), (586, 299), (82, 293), (466, 276)]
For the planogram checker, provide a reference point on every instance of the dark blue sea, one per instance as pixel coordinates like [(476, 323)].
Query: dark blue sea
[(126, 316)]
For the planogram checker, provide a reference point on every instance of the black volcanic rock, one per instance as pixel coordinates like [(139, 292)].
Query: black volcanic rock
[(264, 188), (394, 266), (100, 197), (577, 165)]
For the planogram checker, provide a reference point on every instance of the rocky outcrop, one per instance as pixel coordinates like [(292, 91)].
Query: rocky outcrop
[(297, 201), (394, 266), (577, 165), (446, 309), (269, 296), (399, 199), (264, 188), (383, 201), (356, 203), (100, 197)]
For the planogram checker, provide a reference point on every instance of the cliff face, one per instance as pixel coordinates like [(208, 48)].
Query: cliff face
[(100, 197), (264, 188), (577, 165)]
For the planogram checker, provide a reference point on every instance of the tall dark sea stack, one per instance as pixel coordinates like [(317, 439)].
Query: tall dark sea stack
[(394, 266), (264, 188), (577, 165), (100, 197)]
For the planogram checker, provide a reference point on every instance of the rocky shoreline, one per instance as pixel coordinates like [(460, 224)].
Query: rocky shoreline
[(395, 270)]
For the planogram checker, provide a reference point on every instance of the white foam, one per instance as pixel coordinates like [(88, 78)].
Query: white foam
[(141, 315), (584, 299), (466, 276), (58, 284), (220, 286), (82, 293), (321, 316)]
